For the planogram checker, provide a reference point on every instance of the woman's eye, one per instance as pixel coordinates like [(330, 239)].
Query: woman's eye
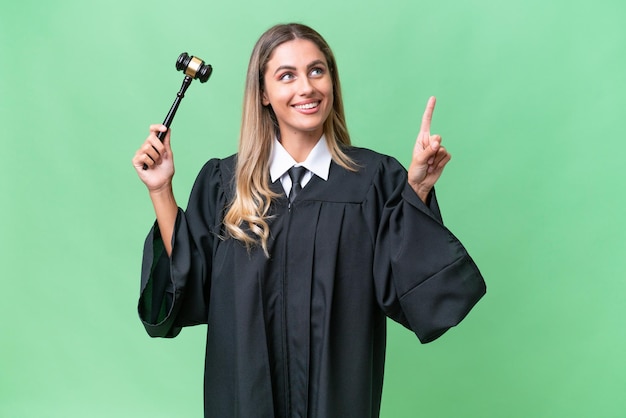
[(317, 71), (286, 76)]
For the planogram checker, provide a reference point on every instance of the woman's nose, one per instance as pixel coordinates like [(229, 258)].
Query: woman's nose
[(305, 86)]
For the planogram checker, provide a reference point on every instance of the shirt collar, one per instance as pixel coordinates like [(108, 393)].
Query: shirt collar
[(318, 161)]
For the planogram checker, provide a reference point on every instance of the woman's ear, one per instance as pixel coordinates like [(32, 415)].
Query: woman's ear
[(265, 100)]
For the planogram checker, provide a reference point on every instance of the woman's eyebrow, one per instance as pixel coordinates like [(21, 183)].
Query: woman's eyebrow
[(285, 67), (292, 68), (316, 63)]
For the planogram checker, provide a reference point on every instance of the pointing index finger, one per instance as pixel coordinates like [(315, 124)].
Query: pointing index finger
[(428, 116)]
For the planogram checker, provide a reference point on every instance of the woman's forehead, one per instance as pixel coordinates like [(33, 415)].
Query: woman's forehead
[(295, 53)]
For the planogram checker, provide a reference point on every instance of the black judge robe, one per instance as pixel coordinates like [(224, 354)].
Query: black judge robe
[(302, 334)]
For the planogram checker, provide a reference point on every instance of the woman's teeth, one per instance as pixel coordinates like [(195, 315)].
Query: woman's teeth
[(307, 106)]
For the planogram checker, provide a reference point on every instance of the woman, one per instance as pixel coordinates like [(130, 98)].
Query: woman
[(296, 289)]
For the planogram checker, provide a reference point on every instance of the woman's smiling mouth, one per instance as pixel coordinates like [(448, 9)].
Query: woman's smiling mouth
[(307, 106)]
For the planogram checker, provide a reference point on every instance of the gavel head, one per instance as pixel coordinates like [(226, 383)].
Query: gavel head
[(194, 67)]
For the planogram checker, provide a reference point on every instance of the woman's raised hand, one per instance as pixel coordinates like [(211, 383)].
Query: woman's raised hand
[(158, 158), (429, 157)]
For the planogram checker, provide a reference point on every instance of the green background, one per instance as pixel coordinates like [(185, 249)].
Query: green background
[(530, 103)]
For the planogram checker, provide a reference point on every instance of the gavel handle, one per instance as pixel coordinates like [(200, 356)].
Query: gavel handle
[(170, 115)]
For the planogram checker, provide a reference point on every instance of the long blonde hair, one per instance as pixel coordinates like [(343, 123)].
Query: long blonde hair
[(246, 217)]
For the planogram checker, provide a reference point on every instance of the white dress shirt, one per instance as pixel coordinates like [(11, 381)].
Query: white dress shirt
[(317, 162)]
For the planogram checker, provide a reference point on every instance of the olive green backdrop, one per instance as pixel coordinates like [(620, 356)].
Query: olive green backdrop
[(530, 103)]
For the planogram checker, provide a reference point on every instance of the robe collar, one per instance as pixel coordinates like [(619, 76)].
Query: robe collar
[(317, 162)]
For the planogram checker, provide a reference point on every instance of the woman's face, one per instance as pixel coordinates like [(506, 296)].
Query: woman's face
[(299, 88)]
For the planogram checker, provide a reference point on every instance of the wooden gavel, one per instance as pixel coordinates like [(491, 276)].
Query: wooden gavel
[(194, 68)]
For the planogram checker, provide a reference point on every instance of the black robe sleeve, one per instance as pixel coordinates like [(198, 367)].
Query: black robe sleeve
[(174, 290), (425, 279)]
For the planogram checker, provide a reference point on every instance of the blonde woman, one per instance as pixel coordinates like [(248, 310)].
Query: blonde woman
[(295, 250)]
